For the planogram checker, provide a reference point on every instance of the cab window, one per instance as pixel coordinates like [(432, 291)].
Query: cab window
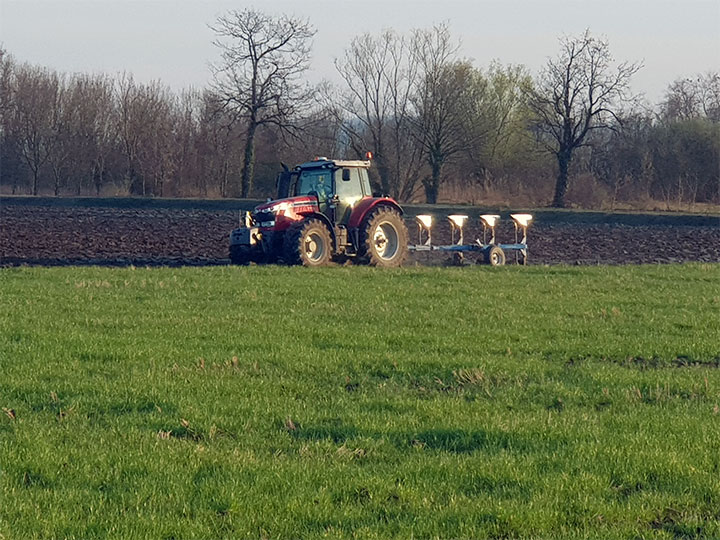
[(348, 189), (318, 181)]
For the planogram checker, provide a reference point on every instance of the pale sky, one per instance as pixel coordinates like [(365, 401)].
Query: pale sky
[(170, 40)]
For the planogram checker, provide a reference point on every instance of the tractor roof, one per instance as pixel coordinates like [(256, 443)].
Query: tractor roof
[(334, 163)]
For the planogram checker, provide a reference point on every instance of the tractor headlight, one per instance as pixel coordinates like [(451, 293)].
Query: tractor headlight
[(278, 208), (265, 216)]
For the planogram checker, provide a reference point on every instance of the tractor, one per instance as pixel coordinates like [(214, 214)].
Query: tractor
[(325, 210)]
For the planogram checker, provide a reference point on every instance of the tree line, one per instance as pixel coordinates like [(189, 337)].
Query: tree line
[(440, 128)]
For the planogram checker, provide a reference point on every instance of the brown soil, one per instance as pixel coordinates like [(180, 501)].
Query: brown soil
[(37, 233)]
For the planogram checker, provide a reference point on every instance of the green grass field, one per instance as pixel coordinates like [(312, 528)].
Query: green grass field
[(350, 402)]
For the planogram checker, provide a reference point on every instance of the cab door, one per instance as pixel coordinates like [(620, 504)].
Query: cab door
[(348, 189)]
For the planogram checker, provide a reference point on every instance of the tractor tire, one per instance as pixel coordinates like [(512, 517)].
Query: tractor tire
[(495, 256), (308, 243), (241, 255), (383, 238)]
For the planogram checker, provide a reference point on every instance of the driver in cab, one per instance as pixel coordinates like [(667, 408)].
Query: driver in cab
[(322, 189)]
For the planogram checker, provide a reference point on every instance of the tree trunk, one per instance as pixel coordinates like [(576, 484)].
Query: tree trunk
[(36, 175), (57, 177), (248, 162), (384, 172), (97, 175), (431, 191), (561, 184), (432, 183), (224, 171)]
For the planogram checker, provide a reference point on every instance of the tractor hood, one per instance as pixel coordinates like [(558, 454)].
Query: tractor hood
[(291, 205)]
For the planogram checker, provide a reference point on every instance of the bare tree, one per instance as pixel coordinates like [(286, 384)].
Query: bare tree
[(9, 139), (187, 133), (157, 153), (99, 131), (686, 99), (86, 132), (709, 87), (60, 143), (35, 96), (262, 59), (128, 123), (577, 92), (375, 107), (445, 103), (217, 145), (144, 126), (682, 101), (7, 66)]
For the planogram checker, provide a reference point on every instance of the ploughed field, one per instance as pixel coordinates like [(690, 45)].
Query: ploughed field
[(165, 232)]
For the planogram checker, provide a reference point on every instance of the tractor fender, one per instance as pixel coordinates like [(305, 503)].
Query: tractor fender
[(365, 206)]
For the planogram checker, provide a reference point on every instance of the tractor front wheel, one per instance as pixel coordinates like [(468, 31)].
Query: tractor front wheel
[(384, 238), (308, 243)]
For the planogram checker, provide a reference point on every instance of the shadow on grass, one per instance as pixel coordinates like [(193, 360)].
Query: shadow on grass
[(455, 441), (642, 363), (466, 441), (331, 429)]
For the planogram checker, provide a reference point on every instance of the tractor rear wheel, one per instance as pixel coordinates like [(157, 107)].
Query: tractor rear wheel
[(384, 238), (308, 243)]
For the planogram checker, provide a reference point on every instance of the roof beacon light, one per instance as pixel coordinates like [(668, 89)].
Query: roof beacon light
[(368, 155), (456, 224), (424, 225), (489, 221)]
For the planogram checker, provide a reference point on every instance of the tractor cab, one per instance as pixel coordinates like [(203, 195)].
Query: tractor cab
[(337, 185)]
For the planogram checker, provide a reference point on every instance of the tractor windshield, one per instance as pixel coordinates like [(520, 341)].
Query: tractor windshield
[(317, 181)]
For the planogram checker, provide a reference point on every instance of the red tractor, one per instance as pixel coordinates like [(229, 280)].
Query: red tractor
[(324, 210)]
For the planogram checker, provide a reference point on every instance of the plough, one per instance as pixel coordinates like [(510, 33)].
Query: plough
[(492, 252)]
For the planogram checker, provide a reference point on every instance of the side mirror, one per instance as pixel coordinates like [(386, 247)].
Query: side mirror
[(346, 175)]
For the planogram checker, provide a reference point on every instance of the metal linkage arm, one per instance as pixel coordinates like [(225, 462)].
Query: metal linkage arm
[(424, 225), (489, 221), (457, 222)]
